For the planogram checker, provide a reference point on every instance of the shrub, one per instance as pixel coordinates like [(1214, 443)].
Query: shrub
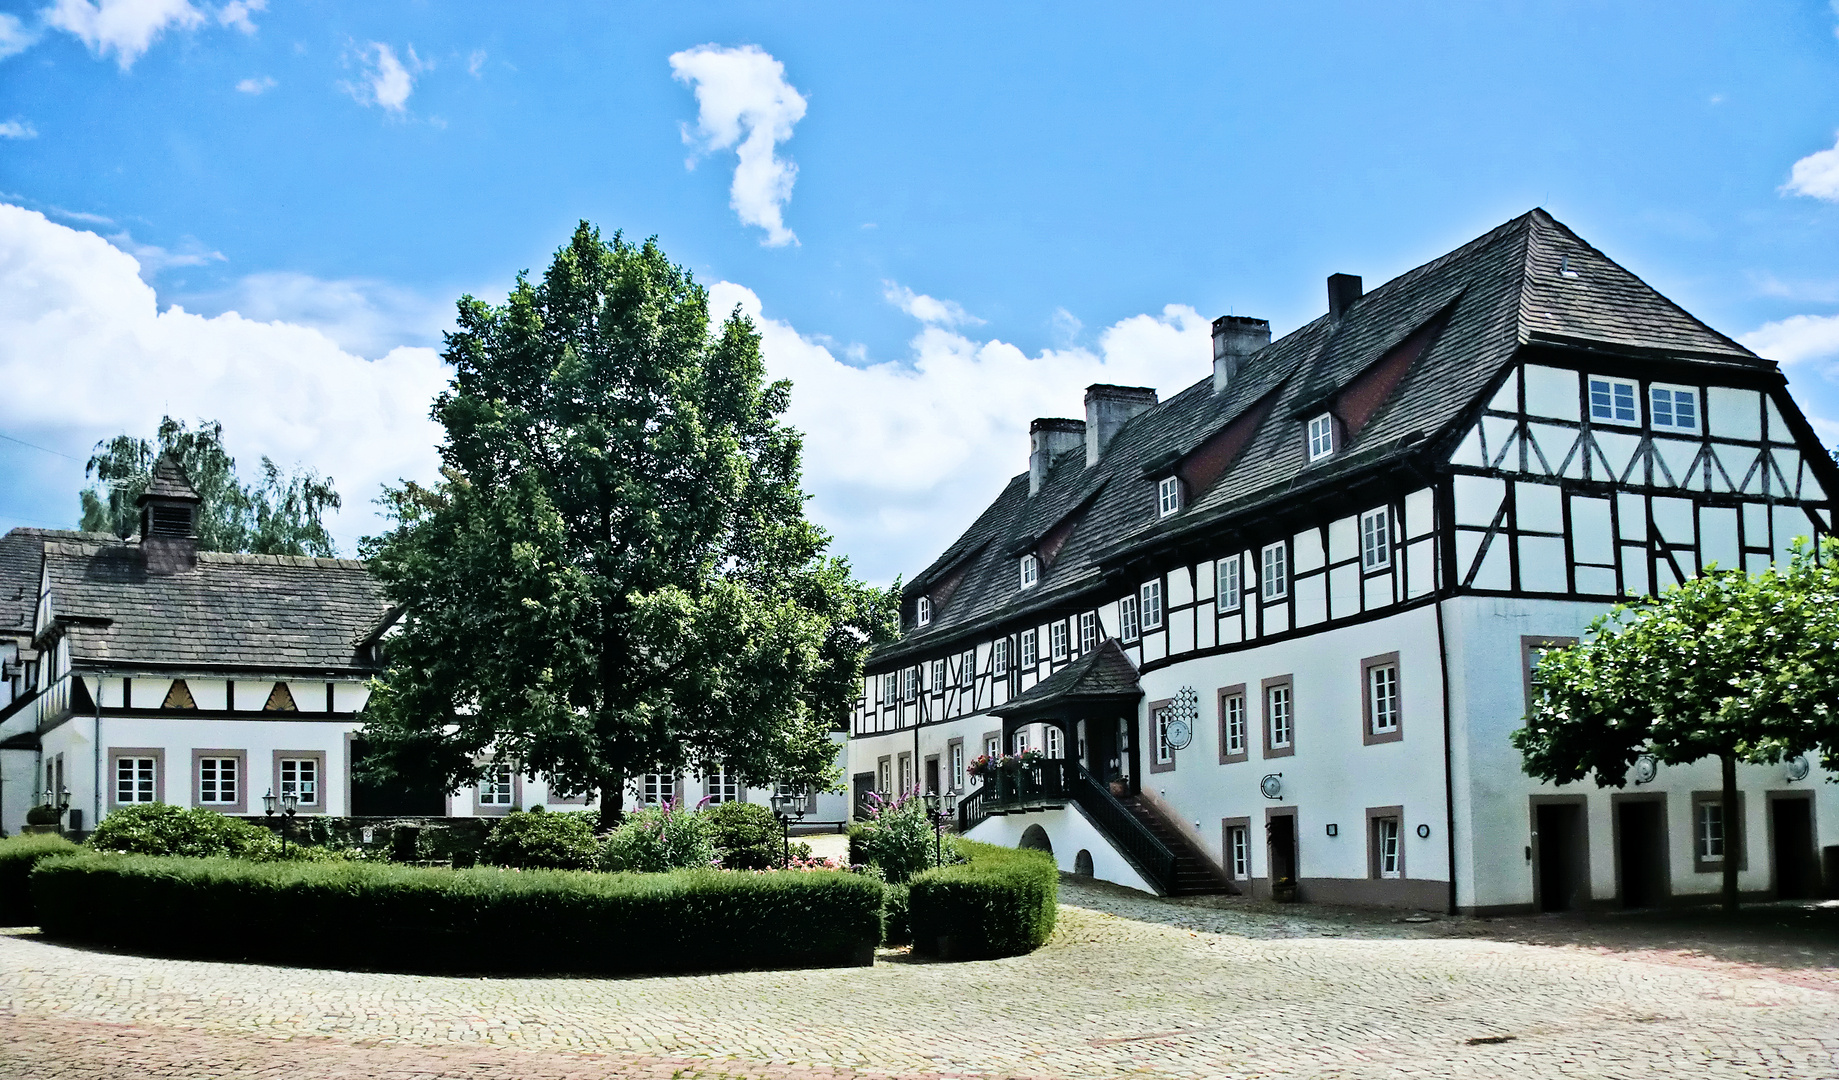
[(159, 829), (658, 839), (896, 926), (748, 837), (1001, 903), (899, 838), (379, 915), (18, 855), (539, 840)]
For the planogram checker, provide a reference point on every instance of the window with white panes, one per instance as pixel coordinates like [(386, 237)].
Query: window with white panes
[(1232, 724), (722, 785), (1279, 718), (496, 786), (1088, 632), (136, 779), (1031, 571), (1239, 851), (1376, 539), (938, 675), (967, 667), (1385, 846), (218, 779), (300, 778), (999, 657), (1021, 741), (1127, 628), (1275, 584), (890, 688), (884, 777), (1708, 832), (1168, 496), (911, 681), (993, 747), (1673, 408), (906, 776), (1056, 743), (1614, 401), (656, 789), (1165, 753), (1056, 639), (1151, 596), (1230, 589), (1031, 649), (957, 766), (922, 610), (1382, 698), (1321, 437)]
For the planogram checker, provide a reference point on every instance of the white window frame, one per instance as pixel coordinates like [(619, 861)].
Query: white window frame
[(304, 785), (884, 776), (890, 689), (1388, 836), (656, 789), (498, 786), (993, 748), (999, 656), (922, 610), (1229, 586), (1021, 742), (1233, 705), (1708, 832), (143, 781), (721, 785), (1274, 582), (1239, 851), (1321, 436), (1376, 539), (957, 767), (1030, 570), (1605, 405), (1671, 408), (968, 667), (212, 781), (1280, 716), (1165, 754), (1056, 743), (938, 675), (1150, 596), (1382, 691), (1056, 639), (1030, 648), (1088, 632), (909, 683), (1168, 496), (1128, 628)]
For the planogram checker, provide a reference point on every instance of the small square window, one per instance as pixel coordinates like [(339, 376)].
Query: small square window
[(1031, 650), (1276, 583), (1088, 632), (722, 785), (1231, 591), (1168, 496), (496, 786), (1151, 594), (218, 780), (1056, 639), (1376, 539), (1127, 627), (1613, 401), (922, 610), (300, 778), (1321, 437), (135, 779), (1673, 408), (656, 789), (1031, 571)]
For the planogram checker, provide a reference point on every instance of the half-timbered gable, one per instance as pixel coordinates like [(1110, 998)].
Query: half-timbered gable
[(1364, 520)]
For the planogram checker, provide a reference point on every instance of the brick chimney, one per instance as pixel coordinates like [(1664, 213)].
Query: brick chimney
[(1048, 438), (1343, 290), (1107, 409), (1235, 338)]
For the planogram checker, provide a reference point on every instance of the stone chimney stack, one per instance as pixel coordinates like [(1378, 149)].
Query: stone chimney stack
[(1235, 338), (1048, 438), (169, 519), (1107, 409), (1343, 290)]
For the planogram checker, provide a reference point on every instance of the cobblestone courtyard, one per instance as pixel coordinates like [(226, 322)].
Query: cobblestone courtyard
[(1128, 987)]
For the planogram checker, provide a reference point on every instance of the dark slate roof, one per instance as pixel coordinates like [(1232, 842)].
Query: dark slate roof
[(1105, 672), (169, 482), (257, 612), (22, 558), (1531, 280)]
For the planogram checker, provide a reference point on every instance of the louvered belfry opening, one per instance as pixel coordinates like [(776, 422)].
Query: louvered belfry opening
[(169, 519)]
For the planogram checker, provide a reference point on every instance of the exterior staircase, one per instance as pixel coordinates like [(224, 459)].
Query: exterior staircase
[(1195, 874)]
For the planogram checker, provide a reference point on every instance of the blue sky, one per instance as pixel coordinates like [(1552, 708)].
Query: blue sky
[(950, 218)]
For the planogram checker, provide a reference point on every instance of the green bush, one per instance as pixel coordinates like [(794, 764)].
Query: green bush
[(748, 837), (899, 838), (18, 855), (540, 840), (159, 829), (896, 925), (1001, 903), (657, 839), (369, 915)]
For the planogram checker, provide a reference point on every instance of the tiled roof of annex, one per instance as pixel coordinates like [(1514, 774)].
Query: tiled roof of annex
[(1531, 280)]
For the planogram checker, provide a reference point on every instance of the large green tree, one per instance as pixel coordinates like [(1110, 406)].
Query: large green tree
[(615, 575), (1729, 665), (278, 514)]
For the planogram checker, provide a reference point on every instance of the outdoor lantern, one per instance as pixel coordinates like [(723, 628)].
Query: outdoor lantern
[(268, 802), (932, 802), (782, 803), (63, 799), (951, 803), (290, 802)]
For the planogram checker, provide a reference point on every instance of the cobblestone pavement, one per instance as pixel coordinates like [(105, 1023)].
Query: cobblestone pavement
[(1130, 986)]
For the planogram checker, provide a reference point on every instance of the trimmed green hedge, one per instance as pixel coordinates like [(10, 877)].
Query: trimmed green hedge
[(18, 855), (375, 916), (1001, 903)]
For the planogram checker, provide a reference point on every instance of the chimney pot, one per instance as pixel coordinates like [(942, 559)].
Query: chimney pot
[(1235, 338), (1343, 290), (1108, 408), (1048, 438)]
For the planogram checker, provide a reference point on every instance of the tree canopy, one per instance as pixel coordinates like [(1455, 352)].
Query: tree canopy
[(279, 514), (615, 575), (1730, 665)]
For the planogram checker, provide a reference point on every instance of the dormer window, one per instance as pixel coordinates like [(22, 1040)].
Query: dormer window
[(922, 611), (1168, 496), (1321, 437), (1031, 570)]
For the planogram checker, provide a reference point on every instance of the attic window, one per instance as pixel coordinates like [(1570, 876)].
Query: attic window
[(1613, 401), (922, 611), (170, 520), (1168, 496), (1321, 437), (1031, 571)]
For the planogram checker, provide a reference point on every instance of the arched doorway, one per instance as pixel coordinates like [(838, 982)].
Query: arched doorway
[(1082, 864), (1034, 838)]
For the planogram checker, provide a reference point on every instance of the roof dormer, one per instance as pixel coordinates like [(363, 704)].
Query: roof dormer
[(169, 519)]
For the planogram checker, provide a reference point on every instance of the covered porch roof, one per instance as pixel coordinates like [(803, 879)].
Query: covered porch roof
[(1102, 681)]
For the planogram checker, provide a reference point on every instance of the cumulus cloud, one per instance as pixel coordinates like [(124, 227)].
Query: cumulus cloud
[(384, 80), (18, 129), (256, 86), (86, 353), (14, 37), (900, 456), (926, 309), (153, 258), (1816, 175), (236, 13), (1796, 339), (126, 28), (744, 102), (361, 316)]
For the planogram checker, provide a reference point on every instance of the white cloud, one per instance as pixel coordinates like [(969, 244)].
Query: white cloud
[(900, 457), (14, 37), (475, 63), (18, 129), (153, 259), (85, 353), (1816, 175), (385, 80), (745, 102), (256, 86), (126, 28), (926, 309), (236, 13), (1795, 339), (361, 316)]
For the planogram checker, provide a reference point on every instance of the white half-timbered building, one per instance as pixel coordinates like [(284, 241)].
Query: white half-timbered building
[(1278, 627), (145, 670)]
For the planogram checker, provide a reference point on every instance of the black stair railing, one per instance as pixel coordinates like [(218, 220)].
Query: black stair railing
[(1143, 848), (971, 810)]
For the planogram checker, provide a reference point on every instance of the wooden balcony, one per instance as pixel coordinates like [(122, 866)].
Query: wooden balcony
[(1019, 789)]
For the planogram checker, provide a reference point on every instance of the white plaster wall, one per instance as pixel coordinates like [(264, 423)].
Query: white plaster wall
[(1070, 832), (18, 775)]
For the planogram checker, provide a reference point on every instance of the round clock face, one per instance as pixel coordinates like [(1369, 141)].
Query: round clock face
[(1798, 768), (1180, 734), (1646, 768), (1272, 786)]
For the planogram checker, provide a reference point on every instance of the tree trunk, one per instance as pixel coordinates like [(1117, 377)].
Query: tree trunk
[(1733, 832), (612, 802)]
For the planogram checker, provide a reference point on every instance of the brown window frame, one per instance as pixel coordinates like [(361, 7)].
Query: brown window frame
[(240, 805), (1226, 827), (158, 755), (956, 770), (1264, 715), (1369, 737), (484, 809), (1374, 815), (1245, 746), (319, 780), (1156, 741), (1716, 866), (1527, 645)]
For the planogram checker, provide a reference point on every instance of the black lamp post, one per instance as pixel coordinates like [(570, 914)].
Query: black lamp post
[(941, 809), (290, 804), (788, 806)]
